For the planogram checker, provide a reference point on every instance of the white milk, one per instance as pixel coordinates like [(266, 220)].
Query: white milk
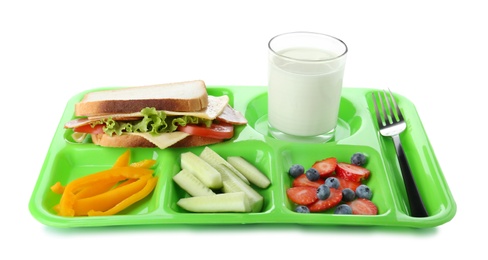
[(304, 97)]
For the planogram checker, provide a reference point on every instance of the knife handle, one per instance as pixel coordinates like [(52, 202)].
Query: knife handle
[(417, 208)]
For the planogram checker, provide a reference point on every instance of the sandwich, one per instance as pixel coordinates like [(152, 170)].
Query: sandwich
[(180, 114)]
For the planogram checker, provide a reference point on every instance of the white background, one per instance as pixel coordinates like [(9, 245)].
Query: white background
[(432, 52)]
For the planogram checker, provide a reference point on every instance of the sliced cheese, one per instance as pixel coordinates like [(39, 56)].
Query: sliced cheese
[(215, 107), (163, 140)]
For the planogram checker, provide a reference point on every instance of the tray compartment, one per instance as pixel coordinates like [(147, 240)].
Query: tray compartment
[(76, 161), (256, 152), (256, 113), (307, 155), (426, 170)]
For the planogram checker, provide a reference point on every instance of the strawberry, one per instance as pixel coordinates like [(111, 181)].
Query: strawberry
[(302, 195), (348, 184), (352, 172), (325, 167), (302, 180), (322, 205), (362, 206)]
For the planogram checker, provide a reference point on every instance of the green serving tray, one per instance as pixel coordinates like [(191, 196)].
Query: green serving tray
[(356, 132)]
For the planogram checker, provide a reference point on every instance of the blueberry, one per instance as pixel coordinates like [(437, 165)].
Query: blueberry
[(348, 195), (312, 174), (363, 191), (358, 159), (332, 182), (323, 192), (302, 209), (296, 170), (343, 209)]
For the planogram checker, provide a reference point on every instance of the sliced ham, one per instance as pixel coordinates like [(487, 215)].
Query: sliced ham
[(232, 116)]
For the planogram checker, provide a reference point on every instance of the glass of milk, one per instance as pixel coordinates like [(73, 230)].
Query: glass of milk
[(304, 86)]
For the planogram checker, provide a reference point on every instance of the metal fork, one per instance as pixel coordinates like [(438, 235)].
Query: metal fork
[(391, 124)]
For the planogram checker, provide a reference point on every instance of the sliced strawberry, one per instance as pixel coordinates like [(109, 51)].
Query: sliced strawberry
[(302, 195), (362, 206), (325, 167), (352, 172), (303, 181), (323, 205), (343, 183)]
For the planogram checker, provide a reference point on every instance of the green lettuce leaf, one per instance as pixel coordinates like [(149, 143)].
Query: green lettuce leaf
[(154, 122)]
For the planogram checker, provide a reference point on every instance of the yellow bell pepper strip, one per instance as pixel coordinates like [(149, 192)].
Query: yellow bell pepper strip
[(123, 160), (99, 188), (56, 208), (65, 206), (144, 163), (115, 174), (148, 188), (109, 199), (57, 188), (102, 187), (96, 189), (123, 183)]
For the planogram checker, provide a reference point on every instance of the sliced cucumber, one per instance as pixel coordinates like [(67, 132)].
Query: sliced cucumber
[(253, 174), (222, 202), (215, 159), (191, 184), (232, 183), (79, 137), (207, 174)]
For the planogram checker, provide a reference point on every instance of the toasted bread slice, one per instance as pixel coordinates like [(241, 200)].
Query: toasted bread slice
[(188, 96)]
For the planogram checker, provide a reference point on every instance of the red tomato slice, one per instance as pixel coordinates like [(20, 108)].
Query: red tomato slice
[(98, 129), (218, 131)]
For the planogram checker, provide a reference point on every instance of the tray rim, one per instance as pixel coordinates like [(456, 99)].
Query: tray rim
[(46, 218)]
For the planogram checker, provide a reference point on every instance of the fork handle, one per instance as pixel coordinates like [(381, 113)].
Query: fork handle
[(417, 207)]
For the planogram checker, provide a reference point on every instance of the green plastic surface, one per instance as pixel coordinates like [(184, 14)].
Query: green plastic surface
[(356, 132)]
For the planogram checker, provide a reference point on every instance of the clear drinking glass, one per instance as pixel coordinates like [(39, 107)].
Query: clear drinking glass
[(304, 85)]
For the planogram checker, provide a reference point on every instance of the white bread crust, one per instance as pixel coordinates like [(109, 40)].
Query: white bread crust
[(187, 96)]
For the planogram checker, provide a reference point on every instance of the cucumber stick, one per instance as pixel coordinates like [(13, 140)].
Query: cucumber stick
[(222, 202), (207, 174), (232, 183), (253, 174), (214, 159), (191, 184)]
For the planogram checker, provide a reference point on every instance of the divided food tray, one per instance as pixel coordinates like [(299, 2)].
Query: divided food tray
[(356, 132)]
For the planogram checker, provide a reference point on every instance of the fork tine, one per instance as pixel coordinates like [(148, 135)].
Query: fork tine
[(398, 112), (386, 115), (390, 114), (376, 109), (386, 108)]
